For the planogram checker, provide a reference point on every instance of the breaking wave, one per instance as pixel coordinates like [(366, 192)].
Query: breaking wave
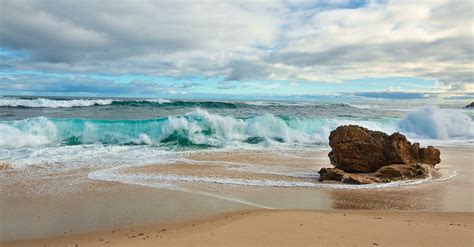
[(68, 103), (52, 103), (435, 123), (200, 127)]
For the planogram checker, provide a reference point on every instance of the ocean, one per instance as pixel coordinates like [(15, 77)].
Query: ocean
[(68, 130)]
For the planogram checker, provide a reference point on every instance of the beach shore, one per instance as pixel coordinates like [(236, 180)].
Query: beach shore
[(288, 228), (66, 209)]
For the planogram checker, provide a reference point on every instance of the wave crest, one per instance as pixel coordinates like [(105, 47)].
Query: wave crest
[(68, 103), (433, 122), (51, 103), (200, 127)]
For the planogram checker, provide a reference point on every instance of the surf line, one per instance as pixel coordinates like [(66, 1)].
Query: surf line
[(109, 176)]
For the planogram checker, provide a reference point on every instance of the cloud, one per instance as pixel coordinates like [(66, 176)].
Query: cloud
[(423, 39), (226, 85), (392, 95), (247, 70), (43, 84), (322, 41)]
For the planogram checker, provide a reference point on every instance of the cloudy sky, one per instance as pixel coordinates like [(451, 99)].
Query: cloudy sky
[(159, 48)]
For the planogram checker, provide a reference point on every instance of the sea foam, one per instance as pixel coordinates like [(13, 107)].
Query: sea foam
[(173, 181), (68, 103), (51, 103), (433, 122), (201, 127)]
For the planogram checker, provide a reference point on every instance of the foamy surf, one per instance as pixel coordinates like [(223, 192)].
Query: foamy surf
[(107, 146), (69, 103), (51, 103), (201, 127), (111, 175), (300, 179)]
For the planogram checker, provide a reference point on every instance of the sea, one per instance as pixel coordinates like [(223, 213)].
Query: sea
[(61, 133)]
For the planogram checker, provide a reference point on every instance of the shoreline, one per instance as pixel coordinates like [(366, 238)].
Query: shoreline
[(286, 227), (50, 206)]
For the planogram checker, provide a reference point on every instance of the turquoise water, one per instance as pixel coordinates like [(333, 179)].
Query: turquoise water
[(33, 126)]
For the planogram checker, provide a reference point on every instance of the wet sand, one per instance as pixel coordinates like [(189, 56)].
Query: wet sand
[(69, 204)]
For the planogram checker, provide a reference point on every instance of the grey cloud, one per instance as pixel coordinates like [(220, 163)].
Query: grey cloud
[(444, 52), (247, 70), (70, 31), (228, 86), (440, 50), (237, 42), (391, 95), (38, 84)]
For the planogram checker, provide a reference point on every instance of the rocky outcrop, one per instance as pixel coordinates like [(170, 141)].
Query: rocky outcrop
[(470, 105), (363, 156), (385, 174)]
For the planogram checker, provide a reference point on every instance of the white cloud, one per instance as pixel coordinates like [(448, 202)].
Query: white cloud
[(289, 40)]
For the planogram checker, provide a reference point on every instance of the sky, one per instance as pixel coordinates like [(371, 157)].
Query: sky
[(376, 49)]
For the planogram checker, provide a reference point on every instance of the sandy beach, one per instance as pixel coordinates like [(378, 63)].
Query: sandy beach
[(289, 228), (69, 209)]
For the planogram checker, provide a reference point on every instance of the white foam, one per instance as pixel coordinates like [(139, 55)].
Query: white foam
[(66, 103), (144, 139), (202, 127), (95, 156), (361, 106), (159, 101), (171, 180), (51, 103), (112, 175), (27, 133), (436, 123), (224, 128)]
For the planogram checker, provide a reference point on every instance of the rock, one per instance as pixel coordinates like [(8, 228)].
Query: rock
[(402, 171), (357, 149), (363, 156), (385, 174), (342, 176), (470, 105)]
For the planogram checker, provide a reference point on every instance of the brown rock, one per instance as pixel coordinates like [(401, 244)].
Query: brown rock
[(383, 175), (402, 171), (429, 155), (348, 178), (357, 149), (363, 156)]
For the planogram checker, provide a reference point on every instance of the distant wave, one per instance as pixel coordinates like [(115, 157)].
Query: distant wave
[(68, 103), (51, 103), (200, 127)]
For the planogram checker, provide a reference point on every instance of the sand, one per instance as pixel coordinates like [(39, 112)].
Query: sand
[(289, 228), (68, 208)]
